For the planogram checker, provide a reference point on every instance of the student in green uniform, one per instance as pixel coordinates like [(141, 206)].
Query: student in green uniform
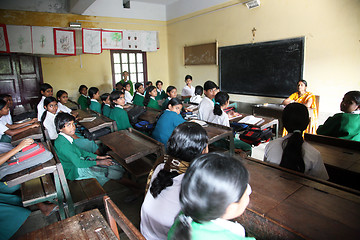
[(214, 190), (83, 99), (118, 114), (139, 94), (345, 125), (171, 92), (105, 106), (149, 100), (94, 95), (125, 79), (160, 92)]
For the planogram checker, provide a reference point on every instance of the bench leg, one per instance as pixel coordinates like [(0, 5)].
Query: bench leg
[(65, 187), (60, 195)]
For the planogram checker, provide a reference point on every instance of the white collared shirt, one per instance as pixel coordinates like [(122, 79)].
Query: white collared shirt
[(63, 108), (49, 124), (188, 91), (140, 94), (93, 100), (40, 108), (70, 139), (223, 119), (152, 98), (206, 106), (118, 106), (128, 97)]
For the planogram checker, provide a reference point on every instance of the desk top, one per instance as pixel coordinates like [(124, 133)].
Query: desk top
[(86, 225), (150, 115), (34, 133), (216, 132), (99, 122), (267, 121), (131, 144), (298, 205)]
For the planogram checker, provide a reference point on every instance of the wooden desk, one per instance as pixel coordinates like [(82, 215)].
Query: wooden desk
[(86, 225), (284, 205), (129, 147), (267, 123), (34, 133), (216, 132), (98, 123), (150, 115), (194, 107), (72, 105)]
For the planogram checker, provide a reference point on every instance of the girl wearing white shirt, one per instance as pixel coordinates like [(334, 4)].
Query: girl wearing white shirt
[(206, 106), (128, 96), (62, 97), (48, 117), (188, 91)]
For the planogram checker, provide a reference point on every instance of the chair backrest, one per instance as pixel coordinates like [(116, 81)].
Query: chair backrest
[(114, 215)]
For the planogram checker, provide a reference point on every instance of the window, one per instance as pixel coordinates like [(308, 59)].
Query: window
[(134, 62)]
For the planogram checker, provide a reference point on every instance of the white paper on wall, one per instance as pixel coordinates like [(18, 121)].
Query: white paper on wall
[(64, 42), (132, 40), (19, 38), (91, 40), (4, 45), (42, 40), (149, 41), (112, 39)]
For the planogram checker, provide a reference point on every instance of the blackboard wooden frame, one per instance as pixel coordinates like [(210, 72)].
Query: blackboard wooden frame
[(269, 69), (202, 54)]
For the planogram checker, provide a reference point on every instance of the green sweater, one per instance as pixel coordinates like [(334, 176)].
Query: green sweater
[(120, 116), (165, 103), (82, 101), (95, 106), (153, 104), (138, 100), (72, 157), (161, 95), (106, 110), (342, 125)]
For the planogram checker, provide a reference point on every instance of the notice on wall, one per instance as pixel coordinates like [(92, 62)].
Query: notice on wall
[(112, 39), (42, 40), (4, 44), (19, 38), (64, 42), (91, 40)]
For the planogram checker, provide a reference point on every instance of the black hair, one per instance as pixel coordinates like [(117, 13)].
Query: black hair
[(303, 81), (61, 119), (220, 99), (114, 96), (159, 81), (170, 88), (3, 96), (137, 85), (174, 102), (92, 91), (147, 95), (47, 101), (119, 86), (208, 85), (187, 141), (355, 96), (60, 93), (125, 84), (103, 98), (188, 77), (82, 87), (211, 183), (148, 83), (44, 87), (295, 118), (2, 103), (199, 90)]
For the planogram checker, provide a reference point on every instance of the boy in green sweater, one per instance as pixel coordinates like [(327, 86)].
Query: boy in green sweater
[(344, 125)]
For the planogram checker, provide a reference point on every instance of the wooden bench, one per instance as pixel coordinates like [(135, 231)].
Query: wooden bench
[(115, 216), (38, 190)]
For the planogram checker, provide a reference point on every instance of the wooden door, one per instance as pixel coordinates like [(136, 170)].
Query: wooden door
[(20, 76)]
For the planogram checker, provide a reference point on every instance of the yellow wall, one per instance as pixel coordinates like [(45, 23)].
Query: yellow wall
[(331, 29), (93, 70)]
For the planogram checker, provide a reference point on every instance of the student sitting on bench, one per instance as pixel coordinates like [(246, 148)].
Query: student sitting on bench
[(291, 151), (344, 125)]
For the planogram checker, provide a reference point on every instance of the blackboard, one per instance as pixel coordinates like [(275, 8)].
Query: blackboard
[(203, 54), (269, 69)]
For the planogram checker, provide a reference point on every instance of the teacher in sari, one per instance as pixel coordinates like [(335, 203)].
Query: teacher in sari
[(308, 99)]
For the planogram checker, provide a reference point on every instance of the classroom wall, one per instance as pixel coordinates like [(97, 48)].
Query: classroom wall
[(91, 69), (331, 29)]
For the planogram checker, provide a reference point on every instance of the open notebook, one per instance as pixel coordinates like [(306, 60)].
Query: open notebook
[(251, 120)]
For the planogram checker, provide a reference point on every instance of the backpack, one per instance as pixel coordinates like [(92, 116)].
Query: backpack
[(30, 156), (144, 126), (255, 136), (135, 113), (96, 134)]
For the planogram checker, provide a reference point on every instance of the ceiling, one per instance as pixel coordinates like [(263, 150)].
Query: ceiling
[(139, 9)]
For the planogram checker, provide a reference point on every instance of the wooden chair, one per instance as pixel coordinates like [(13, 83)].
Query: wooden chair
[(115, 216)]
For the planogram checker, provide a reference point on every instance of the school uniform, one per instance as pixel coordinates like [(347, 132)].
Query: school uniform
[(158, 214), (138, 99), (196, 99), (106, 110), (40, 108), (213, 230), (166, 124), (119, 115), (153, 104), (82, 101), (49, 125), (128, 97), (95, 105), (342, 125), (223, 119), (160, 95), (3, 128), (206, 107), (131, 85), (63, 108), (314, 165), (188, 91), (165, 103)]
